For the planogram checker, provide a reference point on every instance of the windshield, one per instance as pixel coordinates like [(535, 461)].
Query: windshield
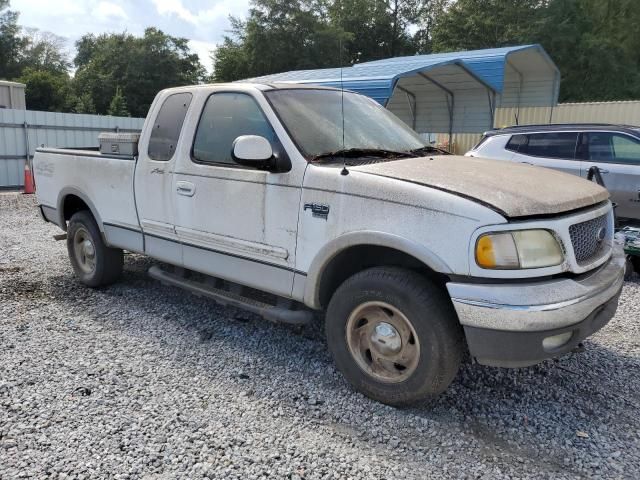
[(314, 120)]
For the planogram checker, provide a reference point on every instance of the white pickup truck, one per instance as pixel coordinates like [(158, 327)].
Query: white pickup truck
[(289, 201)]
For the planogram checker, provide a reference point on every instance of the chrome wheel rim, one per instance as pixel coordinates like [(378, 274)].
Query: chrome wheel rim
[(84, 250), (383, 342)]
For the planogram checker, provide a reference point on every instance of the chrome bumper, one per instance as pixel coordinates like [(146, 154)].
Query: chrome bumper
[(514, 318), (540, 305)]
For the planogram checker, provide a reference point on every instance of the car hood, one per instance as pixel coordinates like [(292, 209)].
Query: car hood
[(513, 189)]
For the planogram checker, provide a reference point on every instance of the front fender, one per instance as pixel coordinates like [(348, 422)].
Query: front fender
[(361, 238)]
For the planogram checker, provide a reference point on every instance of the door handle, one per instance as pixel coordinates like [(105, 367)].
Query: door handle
[(187, 189)]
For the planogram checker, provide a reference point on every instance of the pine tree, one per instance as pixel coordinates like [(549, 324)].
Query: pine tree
[(118, 105), (83, 104)]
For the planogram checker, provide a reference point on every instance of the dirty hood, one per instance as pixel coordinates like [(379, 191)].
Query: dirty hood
[(514, 189)]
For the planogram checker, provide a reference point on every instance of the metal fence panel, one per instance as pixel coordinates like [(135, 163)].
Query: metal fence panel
[(22, 131), (627, 113), (506, 117)]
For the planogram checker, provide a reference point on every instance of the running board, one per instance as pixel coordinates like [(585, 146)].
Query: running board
[(273, 313)]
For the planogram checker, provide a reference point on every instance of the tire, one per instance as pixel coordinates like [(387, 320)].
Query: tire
[(394, 296), (635, 261), (95, 264), (628, 268)]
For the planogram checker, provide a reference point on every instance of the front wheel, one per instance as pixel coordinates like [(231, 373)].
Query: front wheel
[(94, 263), (394, 335)]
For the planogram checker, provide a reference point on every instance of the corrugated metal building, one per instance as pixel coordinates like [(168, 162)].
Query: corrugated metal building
[(446, 92), (12, 95)]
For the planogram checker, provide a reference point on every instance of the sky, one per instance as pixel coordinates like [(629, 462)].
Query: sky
[(203, 22)]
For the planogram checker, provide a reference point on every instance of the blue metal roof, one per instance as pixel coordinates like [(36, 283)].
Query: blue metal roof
[(377, 78)]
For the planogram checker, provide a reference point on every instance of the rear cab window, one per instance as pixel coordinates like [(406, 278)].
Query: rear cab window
[(167, 126)]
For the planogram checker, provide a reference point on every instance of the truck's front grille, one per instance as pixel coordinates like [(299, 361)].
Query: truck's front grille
[(590, 239)]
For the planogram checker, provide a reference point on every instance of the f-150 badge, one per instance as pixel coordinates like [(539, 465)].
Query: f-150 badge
[(317, 209)]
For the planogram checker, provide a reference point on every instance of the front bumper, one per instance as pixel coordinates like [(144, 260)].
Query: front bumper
[(505, 324)]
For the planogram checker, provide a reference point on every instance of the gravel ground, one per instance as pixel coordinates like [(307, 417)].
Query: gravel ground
[(144, 381)]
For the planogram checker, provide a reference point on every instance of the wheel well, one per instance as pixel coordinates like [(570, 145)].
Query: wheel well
[(355, 259), (73, 204)]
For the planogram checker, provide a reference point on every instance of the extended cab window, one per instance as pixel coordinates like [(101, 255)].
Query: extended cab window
[(167, 126), (225, 117), (552, 145), (613, 147)]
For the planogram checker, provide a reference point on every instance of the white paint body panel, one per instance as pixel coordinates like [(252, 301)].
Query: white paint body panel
[(106, 182)]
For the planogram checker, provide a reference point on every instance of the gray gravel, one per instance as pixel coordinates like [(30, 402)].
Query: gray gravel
[(144, 381)]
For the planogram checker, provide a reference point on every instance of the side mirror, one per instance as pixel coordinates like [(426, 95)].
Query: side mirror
[(252, 151)]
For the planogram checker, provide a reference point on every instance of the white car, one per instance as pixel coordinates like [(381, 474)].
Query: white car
[(267, 198), (576, 148)]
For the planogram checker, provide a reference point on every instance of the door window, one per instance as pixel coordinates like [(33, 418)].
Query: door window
[(167, 126), (560, 145), (613, 147), (225, 117)]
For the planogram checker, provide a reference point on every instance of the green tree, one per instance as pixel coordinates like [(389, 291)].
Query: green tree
[(425, 16), (11, 42), (474, 24), (281, 35), (375, 29), (596, 45), (44, 51), (45, 90), (118, 105), (278, 35), (141, 66), (81, 104)]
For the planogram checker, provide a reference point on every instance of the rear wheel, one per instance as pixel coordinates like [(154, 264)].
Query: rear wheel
[(394, 335), (93, 262)]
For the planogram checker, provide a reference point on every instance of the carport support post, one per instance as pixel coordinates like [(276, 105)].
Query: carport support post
[(520, 86), (491, 95), (413, 104), (450, 103)]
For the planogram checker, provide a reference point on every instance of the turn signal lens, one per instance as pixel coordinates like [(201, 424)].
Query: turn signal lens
[(518, 250), (497, 250)]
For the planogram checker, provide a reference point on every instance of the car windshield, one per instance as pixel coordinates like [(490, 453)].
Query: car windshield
[(314, 118)]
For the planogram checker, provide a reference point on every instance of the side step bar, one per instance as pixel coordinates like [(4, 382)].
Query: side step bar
[(273, 313)]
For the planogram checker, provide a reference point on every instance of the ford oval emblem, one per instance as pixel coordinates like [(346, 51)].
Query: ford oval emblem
[(601, 234)]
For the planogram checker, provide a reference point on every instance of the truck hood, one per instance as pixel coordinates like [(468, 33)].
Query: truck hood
[(513, 189)]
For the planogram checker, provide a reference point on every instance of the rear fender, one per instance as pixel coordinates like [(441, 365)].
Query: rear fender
[(62, 196)]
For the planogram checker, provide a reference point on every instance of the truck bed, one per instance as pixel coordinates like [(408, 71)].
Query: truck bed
[(104, 182)]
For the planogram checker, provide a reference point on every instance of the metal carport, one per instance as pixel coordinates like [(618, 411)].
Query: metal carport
[(446, 92)]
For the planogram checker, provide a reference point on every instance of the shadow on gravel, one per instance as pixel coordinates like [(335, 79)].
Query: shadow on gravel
[(507, 410)]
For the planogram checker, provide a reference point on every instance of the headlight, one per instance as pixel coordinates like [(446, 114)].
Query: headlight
[(518, 249)]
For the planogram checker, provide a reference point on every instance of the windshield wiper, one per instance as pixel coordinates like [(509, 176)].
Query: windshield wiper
[(430, 149), (362, 152)]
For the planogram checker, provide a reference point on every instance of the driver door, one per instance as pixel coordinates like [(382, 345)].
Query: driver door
[(236, 222)]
